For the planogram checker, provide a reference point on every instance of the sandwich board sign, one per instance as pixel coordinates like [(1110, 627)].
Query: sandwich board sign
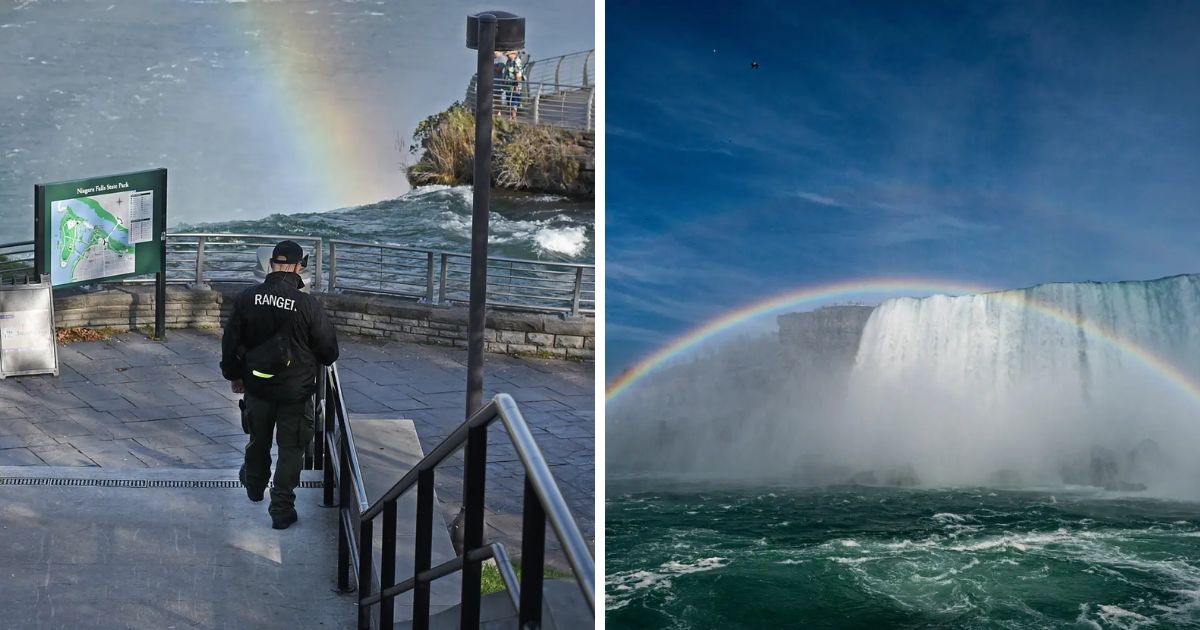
[(27, 339)]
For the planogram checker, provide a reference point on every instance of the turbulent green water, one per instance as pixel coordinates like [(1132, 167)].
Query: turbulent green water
[(880, 558), (542, 227)]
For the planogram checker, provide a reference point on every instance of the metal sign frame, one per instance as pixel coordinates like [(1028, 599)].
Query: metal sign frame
[(147, 258), (5, 314)]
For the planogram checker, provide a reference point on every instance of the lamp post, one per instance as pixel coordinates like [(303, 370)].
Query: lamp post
[(486, 32)]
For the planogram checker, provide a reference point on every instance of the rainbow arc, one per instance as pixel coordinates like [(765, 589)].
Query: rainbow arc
[(812, 297)]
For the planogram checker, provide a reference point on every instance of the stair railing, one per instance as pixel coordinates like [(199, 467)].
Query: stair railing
[(543, 503), (343, 473)]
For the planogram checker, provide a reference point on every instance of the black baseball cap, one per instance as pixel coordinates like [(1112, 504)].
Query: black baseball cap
[(287, 253)]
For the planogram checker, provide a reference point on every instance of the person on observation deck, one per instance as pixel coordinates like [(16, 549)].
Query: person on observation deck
[(275, 340), (514, 74)]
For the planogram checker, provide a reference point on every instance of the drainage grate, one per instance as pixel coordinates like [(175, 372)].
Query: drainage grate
[(129, 483)]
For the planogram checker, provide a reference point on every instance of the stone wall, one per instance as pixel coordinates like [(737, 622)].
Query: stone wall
[(507, 332), (385, 317), (132, 306)]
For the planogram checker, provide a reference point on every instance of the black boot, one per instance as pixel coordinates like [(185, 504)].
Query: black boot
[(282, 521), (254, 495)]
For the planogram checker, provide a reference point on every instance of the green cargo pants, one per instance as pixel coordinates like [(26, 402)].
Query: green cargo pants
[(293, 425)]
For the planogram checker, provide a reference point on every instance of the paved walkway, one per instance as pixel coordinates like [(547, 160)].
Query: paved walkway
[(89, 556), (133, 403)]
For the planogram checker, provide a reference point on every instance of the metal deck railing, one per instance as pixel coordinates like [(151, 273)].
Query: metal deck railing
[(440, 277), (543, 504), (16, 263), (336, 265), (558, 91)]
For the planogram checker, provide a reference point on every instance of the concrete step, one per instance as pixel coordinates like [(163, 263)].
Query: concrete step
[(100, 553), (563, 608), (388, 447)]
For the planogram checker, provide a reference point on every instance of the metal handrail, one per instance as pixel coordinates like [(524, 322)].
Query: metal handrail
[(279, 237), (342, 455), (342, 418), (457, 255), (546, 97), (494, 551), (435, 276), (581, 62), (16, 260), (543, 503), (538, 478)]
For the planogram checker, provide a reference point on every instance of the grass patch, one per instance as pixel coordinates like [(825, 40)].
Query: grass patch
[(83, 333), (525, 157), (148, 331), (542, 354), (491, 582), (537, 158), (448, 140)]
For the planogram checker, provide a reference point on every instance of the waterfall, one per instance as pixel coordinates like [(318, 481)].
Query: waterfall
[(1069, 382), (1090, 384)]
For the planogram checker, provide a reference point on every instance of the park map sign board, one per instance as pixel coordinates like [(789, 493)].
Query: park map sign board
[(101, 228)]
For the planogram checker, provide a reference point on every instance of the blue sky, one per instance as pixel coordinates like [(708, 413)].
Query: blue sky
[(1006, 144)]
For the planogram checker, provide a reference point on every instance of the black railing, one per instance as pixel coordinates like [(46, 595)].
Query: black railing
[(543, 504), (342, 472), (440, 277), (435, 276), (16, 263)]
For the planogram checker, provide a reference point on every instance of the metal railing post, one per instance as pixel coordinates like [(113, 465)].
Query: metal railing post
[(330, 440), (537, 105), (332, 265), (557, 68), (590, 111), (424, 552), (474, 480), (366, 538), (578, 292), (319, 434), (585, 66), (344, 550), (443, 273), (387, 570), (533, 557), (199, 260), (429, 278), (317, 269)]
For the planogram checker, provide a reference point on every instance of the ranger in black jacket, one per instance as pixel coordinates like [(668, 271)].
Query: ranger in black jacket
[(275, 341)]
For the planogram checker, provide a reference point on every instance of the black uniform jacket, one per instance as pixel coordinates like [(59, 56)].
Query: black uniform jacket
[(278, 306)]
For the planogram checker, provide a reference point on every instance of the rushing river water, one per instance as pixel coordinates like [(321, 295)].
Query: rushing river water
[(1013, 459), (542, 227), (863, 557), (260, 108)]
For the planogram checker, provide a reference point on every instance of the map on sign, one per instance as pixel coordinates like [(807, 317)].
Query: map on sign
[(94, 237)]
